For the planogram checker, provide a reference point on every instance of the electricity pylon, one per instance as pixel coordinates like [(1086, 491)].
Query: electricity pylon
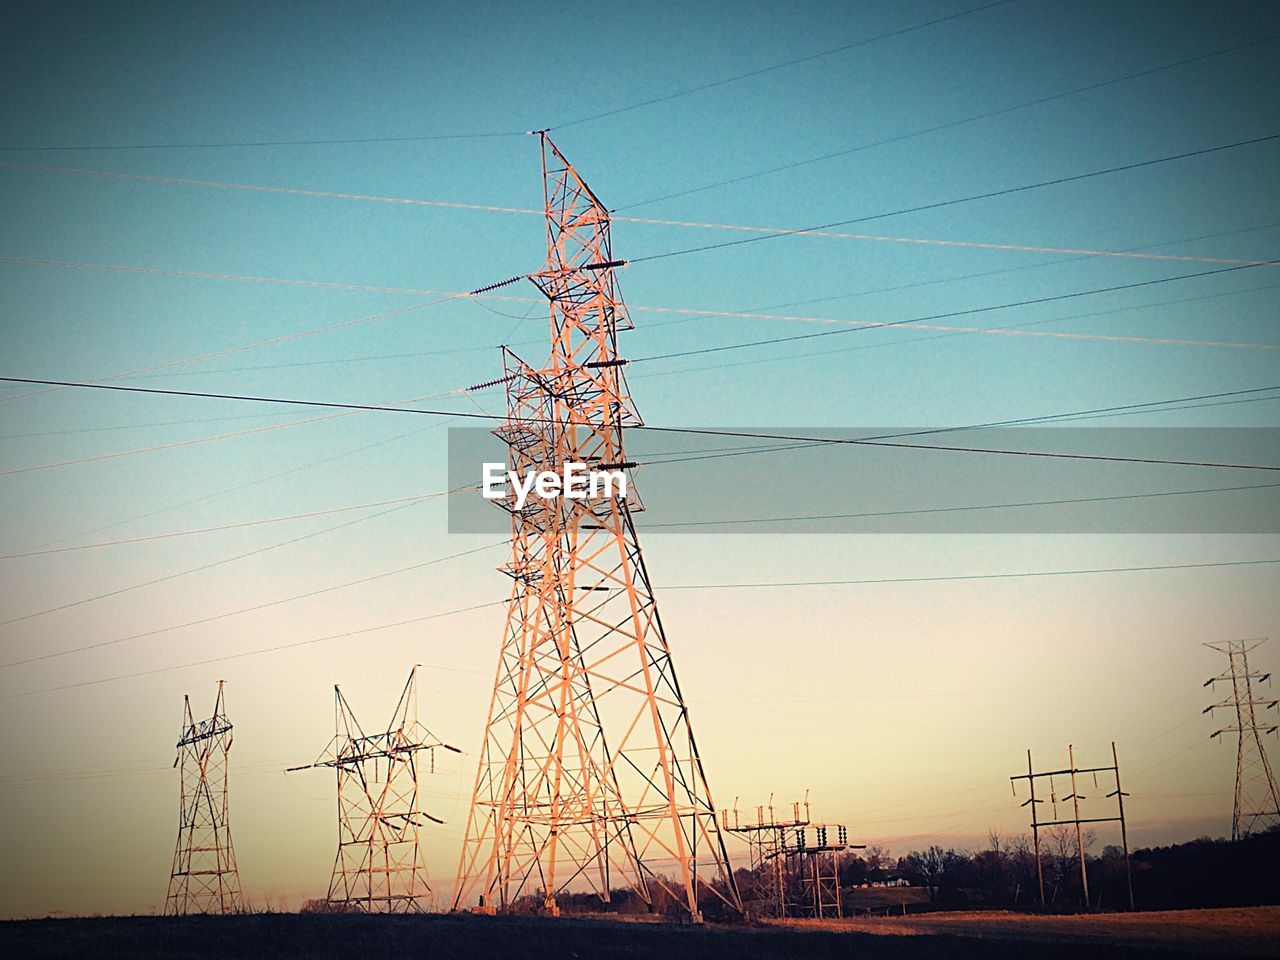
[(589, 772), (379, 867), (204, 878), (1257, 804)]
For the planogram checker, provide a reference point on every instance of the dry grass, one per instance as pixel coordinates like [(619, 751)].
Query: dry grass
[(1236, 931), (960, 936)]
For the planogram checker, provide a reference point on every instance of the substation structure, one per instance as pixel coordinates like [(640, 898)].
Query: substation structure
[(796, 863)]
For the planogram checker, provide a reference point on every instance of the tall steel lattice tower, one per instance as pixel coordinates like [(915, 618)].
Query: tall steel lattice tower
[(589, 775), (379, 867), (204, 878), (1257, 804)]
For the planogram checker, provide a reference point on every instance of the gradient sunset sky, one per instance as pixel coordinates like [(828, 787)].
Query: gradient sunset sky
[(903, 707)]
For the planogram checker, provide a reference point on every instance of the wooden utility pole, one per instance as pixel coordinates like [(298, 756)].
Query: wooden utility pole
[(1077, 821)]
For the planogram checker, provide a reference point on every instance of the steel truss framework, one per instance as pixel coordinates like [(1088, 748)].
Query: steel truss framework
[(589, 776), (819, 867), (204, 878), (796, 848), (379, 866), (1257, 804)]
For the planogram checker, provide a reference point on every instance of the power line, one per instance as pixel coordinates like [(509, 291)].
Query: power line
[(239, 278), (151, 538), (251, 653), (769, 69), (387, 626), (933, 242), (656, 429), (242, 486), (326, 141), (945, 126), (1149, 406), (251, 609), (1043, 418), (677, 457), (178, 444), (1009, 330), (979, 450), (409, 355), (490, 208), (289, 337), (959, 577), (1096, 410), (235, 144), (1028, 266), (258, 188), (1006, 191), (202, 567), (765, 448), (270, 342), (685, 311), (784, 448), (940, 316), (140, 426), (967, 508), (1184, 406)]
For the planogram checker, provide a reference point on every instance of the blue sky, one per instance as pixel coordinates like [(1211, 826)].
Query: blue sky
[(155, 75)]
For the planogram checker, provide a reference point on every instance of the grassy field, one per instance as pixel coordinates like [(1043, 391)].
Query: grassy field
[(1210, 933), (1238, 931), (881, 899)]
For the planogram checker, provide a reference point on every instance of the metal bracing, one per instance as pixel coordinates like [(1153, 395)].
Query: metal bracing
[(589, 776), (766, 839), (1257, 804), (204, 877), (379, 866), (796, 852)]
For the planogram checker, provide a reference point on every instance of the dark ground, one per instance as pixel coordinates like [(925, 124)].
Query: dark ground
[(440, 937)]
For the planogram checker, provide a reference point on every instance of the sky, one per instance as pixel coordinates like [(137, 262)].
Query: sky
[(902, 707)]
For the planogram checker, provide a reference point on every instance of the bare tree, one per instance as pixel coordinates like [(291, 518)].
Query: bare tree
[(994, 841), (931, 865), (878, 860)]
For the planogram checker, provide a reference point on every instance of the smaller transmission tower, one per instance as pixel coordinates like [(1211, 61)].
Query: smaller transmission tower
[(379, 867), (1257, 805), (204, 878)]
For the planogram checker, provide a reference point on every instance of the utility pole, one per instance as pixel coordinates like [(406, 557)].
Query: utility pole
[(589, 772), (204, 877), (1119, 794), (1257, 805), (1076, 820), (1075, 800), (379, 867), (1035, 826)]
